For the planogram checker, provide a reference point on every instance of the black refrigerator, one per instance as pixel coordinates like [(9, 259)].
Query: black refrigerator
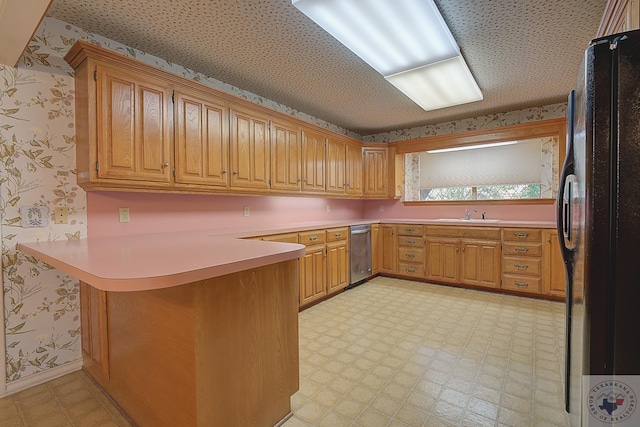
[(599, 229)]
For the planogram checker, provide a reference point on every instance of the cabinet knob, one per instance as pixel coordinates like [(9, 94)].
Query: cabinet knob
[(224, 171), (165, 165), (235, 172)]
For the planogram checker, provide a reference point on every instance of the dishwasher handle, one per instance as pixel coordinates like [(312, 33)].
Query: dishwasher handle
[(360, 232)]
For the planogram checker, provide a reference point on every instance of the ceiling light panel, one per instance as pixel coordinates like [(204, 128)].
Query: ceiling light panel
[(390, 35), (407, 41), (443, 84)]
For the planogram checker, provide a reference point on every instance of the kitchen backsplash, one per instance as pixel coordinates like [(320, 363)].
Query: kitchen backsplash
[(37, 168)]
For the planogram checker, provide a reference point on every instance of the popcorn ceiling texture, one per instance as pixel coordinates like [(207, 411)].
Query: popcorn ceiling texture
[(522, 53)]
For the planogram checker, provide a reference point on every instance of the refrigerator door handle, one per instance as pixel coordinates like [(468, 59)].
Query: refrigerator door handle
[(565, 190)]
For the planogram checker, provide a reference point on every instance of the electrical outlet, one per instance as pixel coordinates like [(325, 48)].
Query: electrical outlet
[(124, 214), (381, 208), (61, 215), (246, 211), (328, 208)]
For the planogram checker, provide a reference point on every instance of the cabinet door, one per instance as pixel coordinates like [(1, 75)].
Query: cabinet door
[(133, 126), (337, 266), (336, 166), (353, 185), (443, 259), (313, 161), (553, 271), (201, 138), (375, 172), (249, 147), (480, 263), (285, 157), (376, 249), (388, 261), (313, 267), (93, 319)]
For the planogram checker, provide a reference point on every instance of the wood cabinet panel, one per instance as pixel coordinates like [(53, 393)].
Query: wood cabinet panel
[(620, 16), (554, 278), (335, 234), (284, 238), (522, 234), (249, 148), (522, 265), (95, 338), (376, 249), (337, 266), (336, 166), (522, 249), (201, 139), (133, 126), (313, 161), (388, 249), (285, 156), (376, 175), (530, 284), (354, 170), (480, 263), (443, 260), (313, 267)]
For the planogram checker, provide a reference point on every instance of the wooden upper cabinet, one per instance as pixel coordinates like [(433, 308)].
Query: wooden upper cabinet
[(313, 161), (375, 163), (620, 16), (133, 126), (285, 156), (353, 185), (249, 148), (201, 139), (336, 165)]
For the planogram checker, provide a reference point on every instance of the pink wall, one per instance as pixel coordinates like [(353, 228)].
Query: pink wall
[(153, 213), (395, 209)]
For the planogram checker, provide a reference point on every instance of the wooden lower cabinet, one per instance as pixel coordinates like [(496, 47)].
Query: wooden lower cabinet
[(313, 268), (443, 260), (480, 263), (217, 352), (376, 249), (337, 266), (95, 341), (388, 249), (554, 279)]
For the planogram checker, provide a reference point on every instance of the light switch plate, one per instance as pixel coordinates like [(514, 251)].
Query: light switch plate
[(124, 214)]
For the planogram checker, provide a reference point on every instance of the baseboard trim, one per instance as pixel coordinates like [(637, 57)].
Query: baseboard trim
[(42, 377)]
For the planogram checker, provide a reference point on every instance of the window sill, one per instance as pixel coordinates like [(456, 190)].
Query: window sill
[(481, 202)]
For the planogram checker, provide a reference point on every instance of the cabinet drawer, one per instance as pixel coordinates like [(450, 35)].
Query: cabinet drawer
[(521, 283), (285, 238), (522, 234), (522, 249), (334, 234), (407, 269), (410, 230), (455, 231), (312, 237), (411, 242), (521, 265), (411, 255)]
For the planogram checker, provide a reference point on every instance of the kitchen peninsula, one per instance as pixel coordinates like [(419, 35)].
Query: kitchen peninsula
[(187, 328)]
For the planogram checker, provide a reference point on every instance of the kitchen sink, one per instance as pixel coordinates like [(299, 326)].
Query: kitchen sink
[(466, 220)]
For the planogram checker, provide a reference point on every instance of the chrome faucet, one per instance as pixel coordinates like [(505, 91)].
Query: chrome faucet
[(467, 214)]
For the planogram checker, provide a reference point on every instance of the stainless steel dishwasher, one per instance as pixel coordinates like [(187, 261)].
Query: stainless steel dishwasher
[(360, 254)]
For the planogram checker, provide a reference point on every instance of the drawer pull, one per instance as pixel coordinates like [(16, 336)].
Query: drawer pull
[(410, 270), (409, 230), (522, 249), (521, 266), (411, 241), (522, 234), (410, 255), (338, 234), (521, 284), (314, 238)]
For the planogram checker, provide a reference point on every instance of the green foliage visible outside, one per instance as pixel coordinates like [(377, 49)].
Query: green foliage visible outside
[(490, 192)]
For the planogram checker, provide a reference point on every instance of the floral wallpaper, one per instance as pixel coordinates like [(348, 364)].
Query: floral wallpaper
[(533, 114), (37, 169)]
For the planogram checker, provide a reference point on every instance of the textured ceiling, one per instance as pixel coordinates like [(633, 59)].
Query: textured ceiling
[(522, 53)]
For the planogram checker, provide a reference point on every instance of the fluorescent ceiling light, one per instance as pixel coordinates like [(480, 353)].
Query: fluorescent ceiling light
[(407, 41), (471, 147)]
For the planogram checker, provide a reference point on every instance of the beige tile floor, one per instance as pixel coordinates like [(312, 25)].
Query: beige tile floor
[(387, 353)]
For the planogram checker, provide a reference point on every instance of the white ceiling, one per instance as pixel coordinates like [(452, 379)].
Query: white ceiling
[(523, 53)]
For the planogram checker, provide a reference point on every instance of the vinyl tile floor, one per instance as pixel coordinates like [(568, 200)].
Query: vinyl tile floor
[(387, 353)]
